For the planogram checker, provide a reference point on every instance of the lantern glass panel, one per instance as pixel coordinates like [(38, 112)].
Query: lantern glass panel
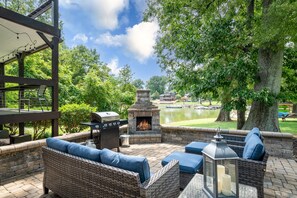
[(226, 170), (209, 163)]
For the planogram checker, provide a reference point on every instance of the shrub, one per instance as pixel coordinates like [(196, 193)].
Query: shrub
[(72, 115), (39, 128), (12, 128)]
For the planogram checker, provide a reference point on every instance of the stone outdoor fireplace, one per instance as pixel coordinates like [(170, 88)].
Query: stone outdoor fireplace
[(143, 116)]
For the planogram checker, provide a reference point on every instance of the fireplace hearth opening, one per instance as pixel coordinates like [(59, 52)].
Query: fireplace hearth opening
[(144, 123)]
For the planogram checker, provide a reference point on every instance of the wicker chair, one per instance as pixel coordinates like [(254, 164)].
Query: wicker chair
[(251, 172), (71, 176)]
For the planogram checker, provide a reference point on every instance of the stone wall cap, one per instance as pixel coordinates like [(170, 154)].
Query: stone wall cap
[(235, 132), (38, 143), (7, 149)]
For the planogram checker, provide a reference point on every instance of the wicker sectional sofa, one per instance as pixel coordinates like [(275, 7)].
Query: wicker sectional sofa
[(72, 176)]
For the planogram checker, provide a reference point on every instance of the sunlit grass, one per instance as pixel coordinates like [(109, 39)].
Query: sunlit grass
[(288, 126)]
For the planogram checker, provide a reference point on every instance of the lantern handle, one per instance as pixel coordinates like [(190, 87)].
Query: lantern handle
[(218, 136)]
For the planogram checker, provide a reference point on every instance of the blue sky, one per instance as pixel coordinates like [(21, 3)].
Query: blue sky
[(115, 29)]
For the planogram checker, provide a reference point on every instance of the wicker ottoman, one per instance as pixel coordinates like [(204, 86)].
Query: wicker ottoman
[(189, 165), (195, 147)]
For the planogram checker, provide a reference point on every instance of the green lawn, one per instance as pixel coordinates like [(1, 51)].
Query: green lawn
[(288, 126)]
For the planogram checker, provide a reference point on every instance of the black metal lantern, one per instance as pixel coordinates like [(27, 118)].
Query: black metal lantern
[(220, 169)]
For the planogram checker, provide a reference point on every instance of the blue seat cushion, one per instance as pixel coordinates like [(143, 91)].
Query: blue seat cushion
[(132, 163), (254, 148), (188, 162), (195, 147), (60, 145), (255, 131), (84, 152)]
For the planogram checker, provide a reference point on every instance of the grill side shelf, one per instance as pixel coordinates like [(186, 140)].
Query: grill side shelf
[(99, 125)]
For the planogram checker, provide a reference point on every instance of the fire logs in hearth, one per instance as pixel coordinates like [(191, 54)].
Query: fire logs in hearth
[(144, 126)]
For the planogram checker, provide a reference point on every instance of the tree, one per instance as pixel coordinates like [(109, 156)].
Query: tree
[(138, 83), (157, 84), (125, 75), (270, 58), (215, 46), (125, 94)]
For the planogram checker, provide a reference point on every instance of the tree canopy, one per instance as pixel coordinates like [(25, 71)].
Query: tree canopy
[(157, 84), (224, 47)]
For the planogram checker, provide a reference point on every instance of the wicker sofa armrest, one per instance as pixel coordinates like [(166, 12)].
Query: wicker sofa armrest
[(252, 172), (253, 164), (164, 183)]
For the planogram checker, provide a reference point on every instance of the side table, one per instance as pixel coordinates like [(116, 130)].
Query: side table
[(194, 189)]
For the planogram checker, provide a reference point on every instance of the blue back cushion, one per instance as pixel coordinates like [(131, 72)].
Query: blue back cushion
[(132, 163), (84, 152), (55, 143), (254, 148), (255, 131)]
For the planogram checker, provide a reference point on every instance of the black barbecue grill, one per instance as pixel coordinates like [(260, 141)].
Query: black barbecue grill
[(107, 125)]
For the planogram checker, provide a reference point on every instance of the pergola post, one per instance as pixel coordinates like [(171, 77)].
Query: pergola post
[(55, 63), (21, 63), (2, 95)]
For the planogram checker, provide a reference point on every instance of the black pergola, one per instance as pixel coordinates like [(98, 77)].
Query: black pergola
[(21, 36)]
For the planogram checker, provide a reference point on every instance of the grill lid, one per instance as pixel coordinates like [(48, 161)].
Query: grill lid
[(102, 117)]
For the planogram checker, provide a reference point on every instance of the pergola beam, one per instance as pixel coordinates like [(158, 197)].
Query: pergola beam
[(22, 80), (28, 22), (45, 39), (41, 9), (27, 117)]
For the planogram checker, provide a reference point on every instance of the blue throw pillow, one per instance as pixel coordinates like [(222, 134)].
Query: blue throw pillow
[(55, 143), (254, 148), (255, 131), (132, 163), (84, 152)]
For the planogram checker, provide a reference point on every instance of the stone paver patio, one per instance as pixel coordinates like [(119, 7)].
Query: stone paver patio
[(280, 178)]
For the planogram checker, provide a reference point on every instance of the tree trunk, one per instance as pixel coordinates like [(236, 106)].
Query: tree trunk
[(270, 69), (224, 116), (294, 108), (240, 118)]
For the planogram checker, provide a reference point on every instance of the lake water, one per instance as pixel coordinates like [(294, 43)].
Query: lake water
[(168, 115)]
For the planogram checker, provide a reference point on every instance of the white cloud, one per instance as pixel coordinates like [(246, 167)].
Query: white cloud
[(104, 13), (109, 39), (80, 38), (139, 40), (114, 66)]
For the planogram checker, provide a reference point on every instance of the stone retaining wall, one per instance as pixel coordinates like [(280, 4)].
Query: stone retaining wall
[(277, 144), (24, 158)]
